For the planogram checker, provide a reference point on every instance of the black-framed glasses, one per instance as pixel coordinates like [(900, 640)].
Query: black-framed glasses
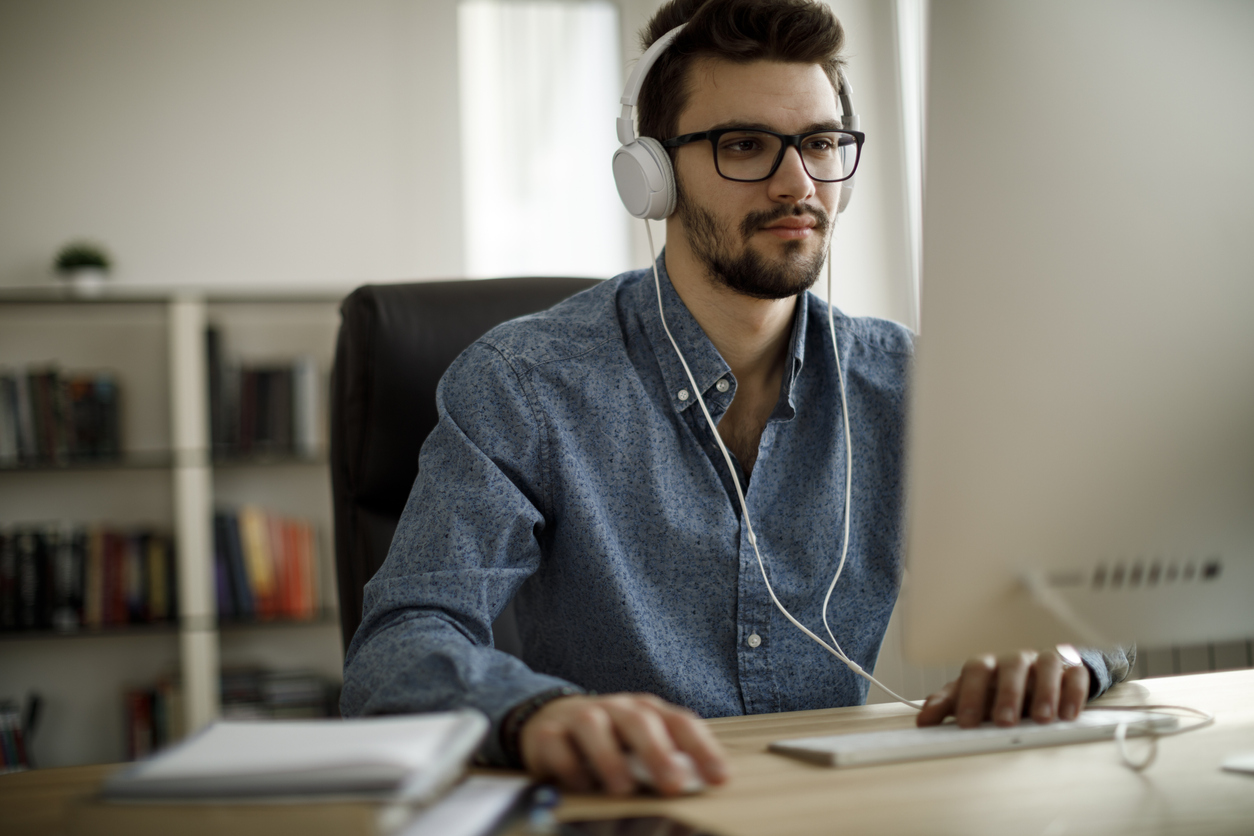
[(749, 155)]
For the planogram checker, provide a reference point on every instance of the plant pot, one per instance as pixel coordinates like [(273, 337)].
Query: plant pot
[(85, 281)]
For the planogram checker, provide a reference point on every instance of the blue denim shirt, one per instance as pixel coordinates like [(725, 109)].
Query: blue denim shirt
[(572, 469)]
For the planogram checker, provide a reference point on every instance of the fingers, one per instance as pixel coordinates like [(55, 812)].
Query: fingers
[(938, 706), (642, 731), (595, 736), (582, 742), (1074, 691), (1062, 686), (1050, 684), (1048, 687), (1012, 683), (977, 679), (694, 737)]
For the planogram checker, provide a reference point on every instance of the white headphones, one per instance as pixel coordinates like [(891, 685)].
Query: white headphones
[(642, 168)]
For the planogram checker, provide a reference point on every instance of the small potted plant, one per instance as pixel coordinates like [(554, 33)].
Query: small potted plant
[(84, 265)]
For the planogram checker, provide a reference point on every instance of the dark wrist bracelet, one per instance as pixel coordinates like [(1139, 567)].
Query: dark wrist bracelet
[(517, 717)]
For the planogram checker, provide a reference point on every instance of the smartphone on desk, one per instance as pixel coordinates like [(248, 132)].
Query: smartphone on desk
[(636, 826)]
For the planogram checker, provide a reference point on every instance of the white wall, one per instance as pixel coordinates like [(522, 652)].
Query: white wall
[(234, 141)]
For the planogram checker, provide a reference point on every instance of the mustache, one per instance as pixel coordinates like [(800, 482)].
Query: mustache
[(756, 220)]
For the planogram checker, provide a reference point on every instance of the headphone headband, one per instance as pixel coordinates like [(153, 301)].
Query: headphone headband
[(626, 124)]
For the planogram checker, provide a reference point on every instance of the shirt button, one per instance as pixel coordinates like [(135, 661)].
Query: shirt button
[(722, 384), (683, 394), (754, 640)]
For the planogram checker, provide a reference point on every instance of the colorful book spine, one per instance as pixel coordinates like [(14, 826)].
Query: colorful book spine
[(268, 565), (68, 577), (259, 560)]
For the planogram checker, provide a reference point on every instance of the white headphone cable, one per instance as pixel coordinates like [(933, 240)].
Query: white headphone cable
[(834, 647), (844, 409)]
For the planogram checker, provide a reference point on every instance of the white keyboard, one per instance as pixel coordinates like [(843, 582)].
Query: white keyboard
[(948, 740)]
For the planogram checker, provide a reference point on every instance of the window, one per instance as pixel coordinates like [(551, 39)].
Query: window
[(540, 83)]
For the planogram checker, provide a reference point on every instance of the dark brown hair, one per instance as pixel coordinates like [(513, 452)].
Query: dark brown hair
[(794, 31)]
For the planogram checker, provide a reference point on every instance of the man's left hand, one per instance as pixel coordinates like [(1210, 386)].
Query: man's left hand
[(1053, 684)]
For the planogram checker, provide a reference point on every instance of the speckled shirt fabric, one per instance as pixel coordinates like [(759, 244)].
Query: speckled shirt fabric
[(572, 468)]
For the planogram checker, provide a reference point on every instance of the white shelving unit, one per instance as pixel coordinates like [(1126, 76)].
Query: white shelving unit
[(154, 341)]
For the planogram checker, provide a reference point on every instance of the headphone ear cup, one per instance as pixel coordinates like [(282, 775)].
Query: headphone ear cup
[(645, 179)]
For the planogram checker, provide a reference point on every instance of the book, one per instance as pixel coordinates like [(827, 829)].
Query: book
[(27, 588), (93, 579), (50, 417), (223, 583), (265, 565), (245, 606), (409, 758), (66, 577), (13, 755), (28, 449), (161, 593), (254, 529), (8, 581), (306, 420), (251, 693), (65, 545), (308, 583), (269, 408), (8, 421)]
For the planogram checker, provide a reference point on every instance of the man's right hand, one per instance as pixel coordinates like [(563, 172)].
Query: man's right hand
[(581, 742)]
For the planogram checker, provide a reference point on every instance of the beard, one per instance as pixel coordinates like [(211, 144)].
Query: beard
[(746, 271)]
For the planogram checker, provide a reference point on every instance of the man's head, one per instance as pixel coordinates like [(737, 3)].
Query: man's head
[(747, 63)]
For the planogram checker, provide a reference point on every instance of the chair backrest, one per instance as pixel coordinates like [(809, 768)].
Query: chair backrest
[(394, 345)]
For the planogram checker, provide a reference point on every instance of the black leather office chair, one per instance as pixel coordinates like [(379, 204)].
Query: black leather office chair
[(395, 343)]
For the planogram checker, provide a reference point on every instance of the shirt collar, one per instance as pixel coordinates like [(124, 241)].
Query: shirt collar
[(707, 365)]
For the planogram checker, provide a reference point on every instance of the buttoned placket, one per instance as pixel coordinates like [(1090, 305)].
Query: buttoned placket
[(757, 679), (755, 610)]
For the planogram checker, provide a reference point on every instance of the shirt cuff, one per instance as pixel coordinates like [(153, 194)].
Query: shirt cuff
[(1107, 667)]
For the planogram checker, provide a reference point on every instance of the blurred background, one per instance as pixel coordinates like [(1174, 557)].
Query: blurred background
[(329, 144)]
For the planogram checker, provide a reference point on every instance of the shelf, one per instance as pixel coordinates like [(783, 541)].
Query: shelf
[(321, 619), (155, 460), (169, 628), (163, 460), (153, 339), (160, 294), (165, 628), (271, 460)]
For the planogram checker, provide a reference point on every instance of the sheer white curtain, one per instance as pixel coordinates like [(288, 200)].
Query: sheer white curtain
[(540, 83), (912, 63)]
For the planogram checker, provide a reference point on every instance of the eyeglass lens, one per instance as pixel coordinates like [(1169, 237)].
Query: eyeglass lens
[(749, 155)]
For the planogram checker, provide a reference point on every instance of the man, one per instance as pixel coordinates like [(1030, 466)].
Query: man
[(572, 466)]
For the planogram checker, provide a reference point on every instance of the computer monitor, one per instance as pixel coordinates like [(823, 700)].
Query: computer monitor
[(1081, 447)]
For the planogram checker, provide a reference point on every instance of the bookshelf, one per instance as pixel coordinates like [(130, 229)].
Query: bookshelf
[(153, 340)]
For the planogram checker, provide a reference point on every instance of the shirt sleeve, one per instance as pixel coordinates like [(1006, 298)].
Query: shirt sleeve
[(1107, 667), (468, 537)]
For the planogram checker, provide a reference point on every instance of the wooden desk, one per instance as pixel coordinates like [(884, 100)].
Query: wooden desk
[(1080, 789)]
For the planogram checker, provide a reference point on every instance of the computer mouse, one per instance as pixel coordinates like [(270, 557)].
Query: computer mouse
[(692, 782)]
